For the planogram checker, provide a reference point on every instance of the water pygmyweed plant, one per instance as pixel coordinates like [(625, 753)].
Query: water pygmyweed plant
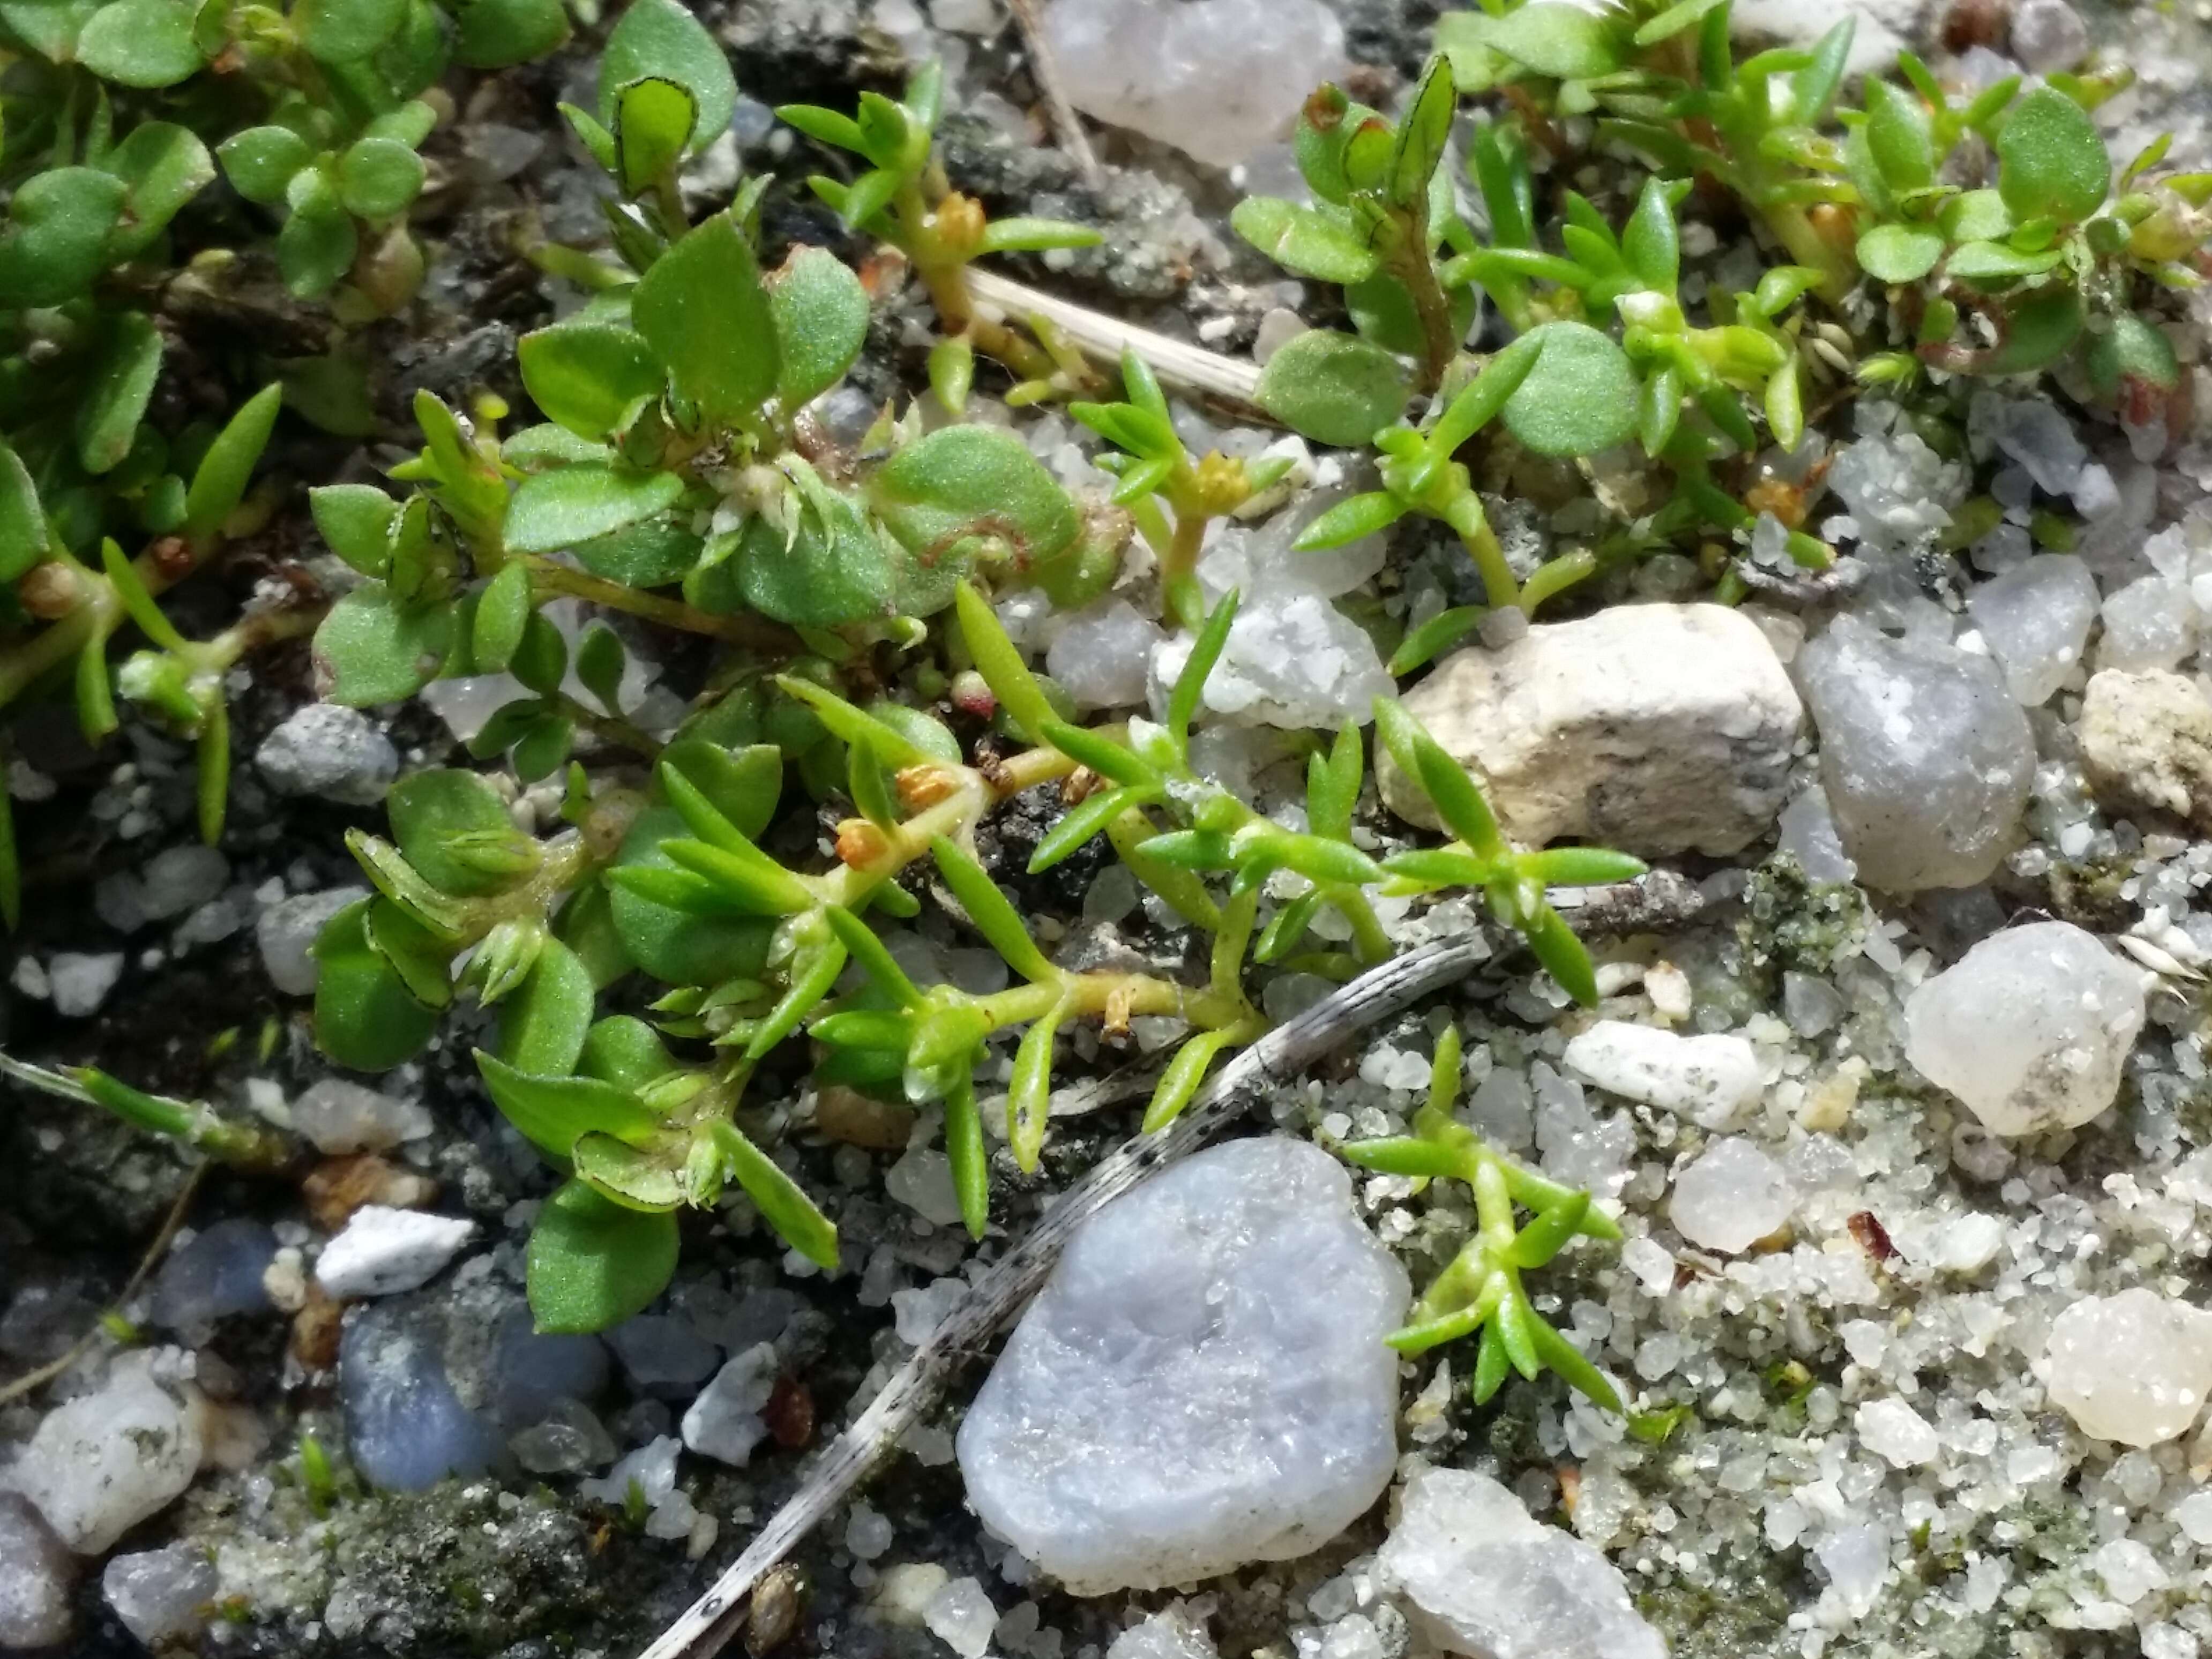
[(676, 882), (1170, 496), (903, 200), (1479, 1293)]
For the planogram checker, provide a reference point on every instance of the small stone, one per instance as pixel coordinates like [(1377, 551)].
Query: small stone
[(1101, 656), (1653, 728), (1202, 1382), (341, 1116), (217, 1273), (80, 983), (2146, 742), (286, 931), (1807, 832), (1812, 1006), (2149, 624), (2134, 1368), (1215, 78), (35, 1572), (103, 1463), (161, 1595), (1480, 1576), (1857, 1561), (1891, 1429), (406, 1428), (1171, 1633), (1709, 1079), (663, 1353), (2036, 619), (724, 1422), (2130, 1571), (1291, 660), (2030, 1028), (1731, 1197), (922, 1181), (915, 1313), (1926, 758), (181, 879), (328, 750), (961, 1616), (569, 1440), (867, 1533), (2035, 432), (2048, 35), (383, 1251)]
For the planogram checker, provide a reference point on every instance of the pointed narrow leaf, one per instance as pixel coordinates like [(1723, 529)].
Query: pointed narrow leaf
[(859, 939), (219, 482), (554, 1112), (1190, 683), (1349, 519), (1180, 1081), (1491, 1365), (988, 910), (1080, 822), (1028, 1091), (963, 1148), (1000, 665), (782, 1204)]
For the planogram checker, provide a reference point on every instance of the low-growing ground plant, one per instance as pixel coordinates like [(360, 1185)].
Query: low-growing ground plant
[(678, 929)]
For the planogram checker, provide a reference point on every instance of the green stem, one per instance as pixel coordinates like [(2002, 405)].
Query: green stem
[(547, 577), (1465, 515)]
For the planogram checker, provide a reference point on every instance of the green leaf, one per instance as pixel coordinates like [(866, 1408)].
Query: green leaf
[(1562, 955), (141, 42), (1975, 215), (651, 553), (873, 956), (661, 38), (259, 162), (1190, 684), (219, 482), (624, 1050), (990, 913), (1310, 240), (1019, 696), (2130, 349), (940, 494), (341, 31), (1023, 235), (422, 958), (540, 656), (493, 34), (1815, 85), (1458, 800), (1899, 135), (654, 119), (1080, 822), (23, 539), (1334, 388), (365, 1016), (1578, 398), (779, 1198), (164, 165), (963, 1148), (1900, 253), (2039, 331), (1355, 516), (453, 828), (117, 391), (703, 311), (56, 239), (372, 648), (742, 784), (601, 661), (1423, 131), (357, 521), (592, 1263), (1580, 866), (2051, 159), (1480, 401), (557, 509), (1651, 242), (1560, 40), (821, 315), (48, 28), (378, 178), (591, 378), (502, 612), (1998, 262), (555, 1112), (636, 1179), (667, 943), (1179, 1083), (318, 242), (832, 567), (542, 1026)]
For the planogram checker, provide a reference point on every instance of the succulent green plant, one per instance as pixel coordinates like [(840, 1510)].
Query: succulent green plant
[(676, 883), (1479, 1293), (902, 199)]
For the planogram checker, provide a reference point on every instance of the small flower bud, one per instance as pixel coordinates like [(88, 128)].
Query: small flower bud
[(860, 842), (50, 590), (972, 695)]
